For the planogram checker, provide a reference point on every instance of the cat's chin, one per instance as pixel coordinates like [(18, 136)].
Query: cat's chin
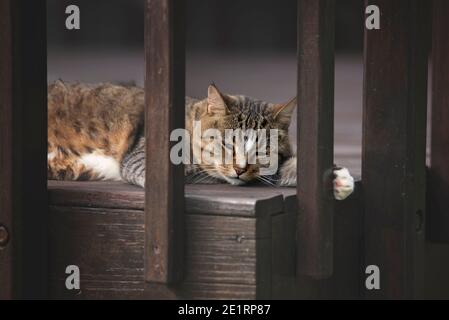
[(234, 181)]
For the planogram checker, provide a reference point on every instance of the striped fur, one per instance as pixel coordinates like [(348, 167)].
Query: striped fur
[(95, 132)]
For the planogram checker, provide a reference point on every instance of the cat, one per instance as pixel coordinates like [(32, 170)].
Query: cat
[(96, 132)]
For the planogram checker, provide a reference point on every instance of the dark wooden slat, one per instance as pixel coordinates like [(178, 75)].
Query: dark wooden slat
[(438, 216), (6, 141), (315, 136), (394, 131), (23, 142), (348, 276), (222, 252), (164, 94)]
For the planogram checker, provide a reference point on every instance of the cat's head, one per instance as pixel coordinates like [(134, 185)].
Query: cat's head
[(248, 116)]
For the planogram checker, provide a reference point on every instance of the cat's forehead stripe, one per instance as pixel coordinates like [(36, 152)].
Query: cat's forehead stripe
[(247, 104), (251, 113)]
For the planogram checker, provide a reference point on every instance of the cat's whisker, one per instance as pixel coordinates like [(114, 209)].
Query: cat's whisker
[(202, 173), (206, 178), (272, 178), (199, 177), (194, 175), (266, 181)]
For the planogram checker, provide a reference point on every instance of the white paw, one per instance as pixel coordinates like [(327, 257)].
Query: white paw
[(343, 183)]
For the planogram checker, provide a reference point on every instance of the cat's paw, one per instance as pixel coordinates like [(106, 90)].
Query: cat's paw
[(343, 183), (287, 174)]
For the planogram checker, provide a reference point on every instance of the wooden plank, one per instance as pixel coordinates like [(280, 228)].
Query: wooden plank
[(164, 94), (6, 142), (226, 255), (23, 142), (394, 131), (108, 245), (225, 199), (220, 199), (346, 281), (315, 136), (97, 194), (438, 216)]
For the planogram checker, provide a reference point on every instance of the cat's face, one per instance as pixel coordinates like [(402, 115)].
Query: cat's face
[(246, 117)]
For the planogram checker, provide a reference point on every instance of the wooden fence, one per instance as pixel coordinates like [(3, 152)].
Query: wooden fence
[(23, 160), (394, 142)]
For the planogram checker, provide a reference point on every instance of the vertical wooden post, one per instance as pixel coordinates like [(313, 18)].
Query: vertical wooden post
[(164, 94), (316, 28), (23, 131), (394, 144), (6, 208), (438, 216)]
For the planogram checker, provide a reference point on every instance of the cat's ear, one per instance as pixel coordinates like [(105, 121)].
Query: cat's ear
[(216, 104), (283, 112)]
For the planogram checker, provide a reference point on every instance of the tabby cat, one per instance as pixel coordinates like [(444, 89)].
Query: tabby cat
[(96, 132)]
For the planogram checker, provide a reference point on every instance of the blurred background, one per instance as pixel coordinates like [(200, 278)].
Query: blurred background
[(245, 47)]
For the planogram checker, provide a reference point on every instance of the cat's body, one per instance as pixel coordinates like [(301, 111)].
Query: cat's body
[(96, 132)]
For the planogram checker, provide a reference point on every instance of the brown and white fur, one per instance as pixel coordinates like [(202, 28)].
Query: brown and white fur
[(96, 132)]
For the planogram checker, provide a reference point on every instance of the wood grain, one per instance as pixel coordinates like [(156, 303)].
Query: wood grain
[(394, 145), (164, 95), (23, 141), (228, 253), (348, 276), (6, 142), (100, 194), (438, 216), (219, 199), (316, 30)]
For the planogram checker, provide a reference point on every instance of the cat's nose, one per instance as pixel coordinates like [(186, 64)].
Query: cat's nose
[(239, 170)]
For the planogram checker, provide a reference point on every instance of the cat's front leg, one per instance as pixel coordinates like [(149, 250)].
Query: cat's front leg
[(287, 173), (343, 181), (132, 166)]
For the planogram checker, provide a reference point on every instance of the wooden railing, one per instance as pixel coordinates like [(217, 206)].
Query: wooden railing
[(394, 143), (394, 131), (393, 137), (23, 132), (165, 111), (316, 19), (164, 94), (438, 221)]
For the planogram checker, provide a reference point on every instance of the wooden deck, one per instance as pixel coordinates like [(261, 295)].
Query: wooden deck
[(240, 243), (217, 216)]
